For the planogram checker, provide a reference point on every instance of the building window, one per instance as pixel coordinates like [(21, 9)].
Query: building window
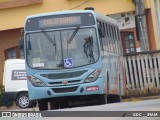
[(21, 54), (13, 53), (128, 42)]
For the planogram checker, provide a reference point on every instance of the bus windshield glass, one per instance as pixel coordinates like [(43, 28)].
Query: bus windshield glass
[(62, 49)]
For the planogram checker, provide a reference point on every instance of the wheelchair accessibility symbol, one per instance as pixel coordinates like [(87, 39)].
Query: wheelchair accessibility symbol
[(68, 62)]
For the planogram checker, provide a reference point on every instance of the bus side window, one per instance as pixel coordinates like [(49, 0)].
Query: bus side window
[(100, 38), (110, 36), (106, 38), (118, 43), (113, 39)]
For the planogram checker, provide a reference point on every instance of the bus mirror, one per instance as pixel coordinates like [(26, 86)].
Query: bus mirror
[(21, 44), (102, 32), (21, 41)]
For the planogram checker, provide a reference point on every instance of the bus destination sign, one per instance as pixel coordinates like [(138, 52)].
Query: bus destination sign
[(60, 21)]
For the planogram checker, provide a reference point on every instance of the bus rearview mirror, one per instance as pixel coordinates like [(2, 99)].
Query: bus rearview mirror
[(21, 41), (21, 44)]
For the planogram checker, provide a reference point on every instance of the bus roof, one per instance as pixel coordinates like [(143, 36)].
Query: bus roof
[(97, 15)]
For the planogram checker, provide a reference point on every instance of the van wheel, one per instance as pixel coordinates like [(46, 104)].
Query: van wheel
[(23, 101)]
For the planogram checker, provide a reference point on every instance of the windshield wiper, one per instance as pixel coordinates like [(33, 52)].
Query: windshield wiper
[(73, 34), (50, 39)]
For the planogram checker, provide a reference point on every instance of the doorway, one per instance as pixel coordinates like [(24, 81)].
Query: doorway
[(128, 42)]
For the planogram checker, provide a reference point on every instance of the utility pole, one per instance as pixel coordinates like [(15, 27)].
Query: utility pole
[(141, 27)]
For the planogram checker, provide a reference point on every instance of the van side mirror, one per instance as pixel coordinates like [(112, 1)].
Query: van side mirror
[(101, 32), (21, 41)]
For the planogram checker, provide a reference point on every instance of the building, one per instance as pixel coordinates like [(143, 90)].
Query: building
[(14, 12)]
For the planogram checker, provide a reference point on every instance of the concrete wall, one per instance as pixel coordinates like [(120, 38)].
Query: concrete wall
[(14, 17)]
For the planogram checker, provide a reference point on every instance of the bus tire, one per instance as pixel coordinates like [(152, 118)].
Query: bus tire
[(102, 99), (42, 105), (64, 104), (114, 99), (23, 101), (54, 105), (117, 98)]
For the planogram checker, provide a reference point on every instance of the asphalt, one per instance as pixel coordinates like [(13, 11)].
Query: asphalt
[(16, 108)]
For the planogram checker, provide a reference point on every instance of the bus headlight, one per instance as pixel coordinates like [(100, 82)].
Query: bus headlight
[(35, 81), (93, 77)]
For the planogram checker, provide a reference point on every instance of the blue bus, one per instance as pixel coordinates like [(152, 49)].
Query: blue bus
[(73, 54)]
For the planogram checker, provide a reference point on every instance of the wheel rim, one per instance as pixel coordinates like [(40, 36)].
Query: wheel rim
[(23, 101)]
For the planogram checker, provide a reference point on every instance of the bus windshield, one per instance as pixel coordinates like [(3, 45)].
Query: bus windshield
[(62, 49)]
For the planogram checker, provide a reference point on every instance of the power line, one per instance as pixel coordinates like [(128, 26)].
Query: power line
[(80, 4)]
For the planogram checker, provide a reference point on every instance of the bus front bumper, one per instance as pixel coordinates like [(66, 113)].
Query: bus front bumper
[(96, 87)]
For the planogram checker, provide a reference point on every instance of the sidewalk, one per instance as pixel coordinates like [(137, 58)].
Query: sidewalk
[(141, 98), (14, 107)]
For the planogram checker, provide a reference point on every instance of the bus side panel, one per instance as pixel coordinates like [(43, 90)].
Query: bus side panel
[(105, 70), (113, 75), (114, 65), (122, 74)]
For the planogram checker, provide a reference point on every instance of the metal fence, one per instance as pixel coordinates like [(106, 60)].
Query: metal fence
[(143, 73)]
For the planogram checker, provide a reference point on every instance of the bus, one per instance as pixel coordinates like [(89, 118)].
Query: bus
[(73, 54)]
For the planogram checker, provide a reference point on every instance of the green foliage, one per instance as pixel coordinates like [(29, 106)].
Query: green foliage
[(10, 103), (1, 95)]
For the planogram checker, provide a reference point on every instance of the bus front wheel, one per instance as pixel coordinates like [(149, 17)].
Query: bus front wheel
[(43, 105)]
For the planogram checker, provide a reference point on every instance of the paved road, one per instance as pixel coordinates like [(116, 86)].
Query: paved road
[(147, 105)]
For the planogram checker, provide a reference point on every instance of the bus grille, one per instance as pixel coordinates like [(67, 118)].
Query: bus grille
[(64, 90), (64, 75), (60, 83)]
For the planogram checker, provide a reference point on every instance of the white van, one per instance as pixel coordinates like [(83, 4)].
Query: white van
[(15, 82)]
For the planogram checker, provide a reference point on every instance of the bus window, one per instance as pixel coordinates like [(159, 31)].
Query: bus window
[(111, 38), (101, 39), (82, 49), (105, 39), (116, 41), (108, 38)]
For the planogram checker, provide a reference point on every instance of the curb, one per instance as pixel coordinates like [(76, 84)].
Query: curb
[(140, 98)]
